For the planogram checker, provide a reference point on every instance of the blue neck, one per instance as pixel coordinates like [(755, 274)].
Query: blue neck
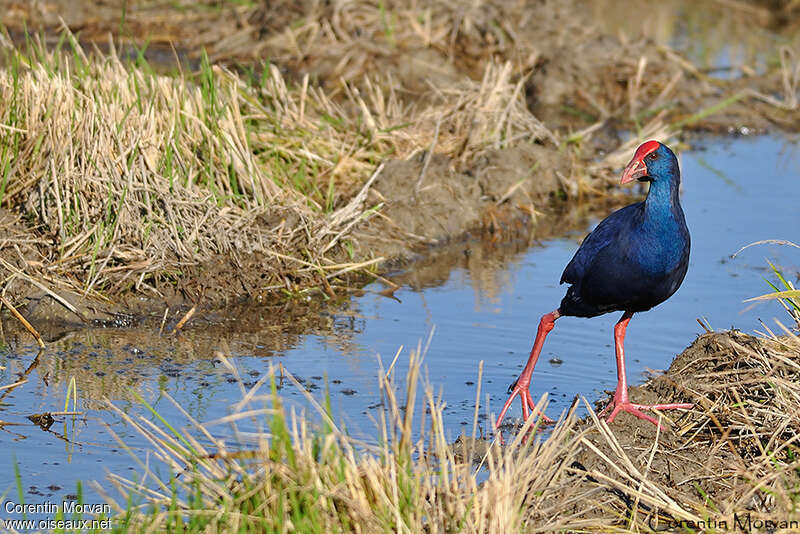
[(663, 240), (662, 201)]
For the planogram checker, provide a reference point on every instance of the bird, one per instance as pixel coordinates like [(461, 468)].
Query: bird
[(635, 259)]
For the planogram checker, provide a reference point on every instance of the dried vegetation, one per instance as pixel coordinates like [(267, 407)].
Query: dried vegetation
[(234, 176), (732, 458), (130, 178)]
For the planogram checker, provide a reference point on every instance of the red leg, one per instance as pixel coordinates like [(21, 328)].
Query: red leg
[(521, 386), (620, 401)]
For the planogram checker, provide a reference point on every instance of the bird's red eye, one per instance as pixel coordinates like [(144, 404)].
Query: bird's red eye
[(652, 156)]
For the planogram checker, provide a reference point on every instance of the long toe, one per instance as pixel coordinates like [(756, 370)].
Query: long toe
[(672, 406), (506, 406), (631, 409), (533, 408), (528, 405), (635, 410)]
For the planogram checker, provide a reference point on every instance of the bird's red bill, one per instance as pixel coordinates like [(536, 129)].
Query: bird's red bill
[(637, 168)]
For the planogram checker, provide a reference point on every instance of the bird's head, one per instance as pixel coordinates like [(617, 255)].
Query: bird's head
[(651, 162)]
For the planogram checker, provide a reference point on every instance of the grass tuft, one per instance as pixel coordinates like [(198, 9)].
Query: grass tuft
[(316, 478), (733, 456)]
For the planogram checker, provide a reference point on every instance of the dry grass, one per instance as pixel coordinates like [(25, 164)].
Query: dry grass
[(585, 476), (125, 181), (132, 177), (300, 478), (749, 394)]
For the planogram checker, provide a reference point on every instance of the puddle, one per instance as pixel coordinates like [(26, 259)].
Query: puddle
[(734, 192), (723, 44)]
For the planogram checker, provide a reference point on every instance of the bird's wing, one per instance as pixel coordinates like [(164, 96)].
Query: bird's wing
[(605, 233)]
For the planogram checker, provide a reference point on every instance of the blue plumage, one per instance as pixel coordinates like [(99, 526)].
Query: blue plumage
[(637, 257)]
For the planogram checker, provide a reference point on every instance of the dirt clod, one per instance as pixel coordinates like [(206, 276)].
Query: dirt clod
[(732, 449)]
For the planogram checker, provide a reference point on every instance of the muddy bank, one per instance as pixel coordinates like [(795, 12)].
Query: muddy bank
[(731, 454), (479, 252)]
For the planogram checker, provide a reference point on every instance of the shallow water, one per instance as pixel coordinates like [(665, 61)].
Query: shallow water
[(734, 192), (722, 42)]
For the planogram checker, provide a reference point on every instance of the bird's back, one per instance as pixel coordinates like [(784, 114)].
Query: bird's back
[(606, 234), (629, 263)]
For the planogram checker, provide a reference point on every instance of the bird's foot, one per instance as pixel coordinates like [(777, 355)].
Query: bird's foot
[(527, 403), (636, 410)]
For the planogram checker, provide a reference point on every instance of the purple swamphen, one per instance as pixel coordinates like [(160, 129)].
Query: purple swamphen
[(635, 259)]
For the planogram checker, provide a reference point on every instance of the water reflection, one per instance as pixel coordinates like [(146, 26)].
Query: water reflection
[(736, 41)]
